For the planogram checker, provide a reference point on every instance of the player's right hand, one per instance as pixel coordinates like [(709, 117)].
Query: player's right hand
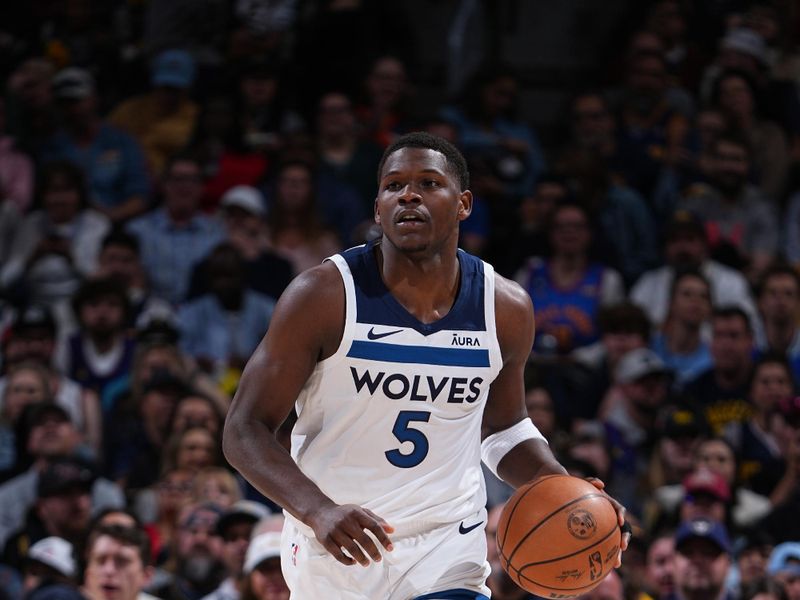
[(342, 530)]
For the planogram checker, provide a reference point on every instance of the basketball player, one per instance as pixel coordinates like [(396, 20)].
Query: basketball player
[(388, 351)]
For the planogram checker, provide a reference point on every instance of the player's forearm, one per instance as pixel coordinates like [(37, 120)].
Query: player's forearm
[(251, 448), (527, 461)]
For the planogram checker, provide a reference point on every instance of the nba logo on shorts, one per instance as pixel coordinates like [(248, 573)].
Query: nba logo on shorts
[(295, 548)]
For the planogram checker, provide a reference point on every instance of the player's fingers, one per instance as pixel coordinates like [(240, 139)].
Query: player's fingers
[(627, 532), (349, 546), (598, 483), (337, 553), (368, 544), (380, 529)]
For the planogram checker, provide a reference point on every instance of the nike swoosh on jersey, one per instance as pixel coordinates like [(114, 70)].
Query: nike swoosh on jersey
[(463, 530), (376, 336)]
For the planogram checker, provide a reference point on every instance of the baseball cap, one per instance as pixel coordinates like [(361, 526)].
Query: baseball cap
[(64, 474), (682, 222), (705, 529), (243, 510), (639, 363), (54, 552), (173, 68), (681, 423), (163, 380), (705, 481), (36, 316), (785, 558), (245, 197), (73, 84), (746, 41), (263, 546)]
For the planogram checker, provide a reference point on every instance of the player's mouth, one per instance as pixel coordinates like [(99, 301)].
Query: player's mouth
[(410, 219)]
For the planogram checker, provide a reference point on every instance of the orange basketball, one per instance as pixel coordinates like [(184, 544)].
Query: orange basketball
[(558, 536)]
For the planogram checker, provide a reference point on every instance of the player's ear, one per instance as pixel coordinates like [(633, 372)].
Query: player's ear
[(377, 214), (465, 205)]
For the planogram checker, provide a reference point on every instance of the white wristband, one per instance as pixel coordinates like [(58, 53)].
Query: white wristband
[(497, 445)]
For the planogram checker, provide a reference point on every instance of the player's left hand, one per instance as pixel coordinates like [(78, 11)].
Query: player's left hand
[(623, 524)]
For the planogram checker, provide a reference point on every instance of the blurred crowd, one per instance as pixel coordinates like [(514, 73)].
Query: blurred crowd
[(167, 168)]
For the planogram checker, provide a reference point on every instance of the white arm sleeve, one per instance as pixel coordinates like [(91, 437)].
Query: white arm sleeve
[(497, 445)]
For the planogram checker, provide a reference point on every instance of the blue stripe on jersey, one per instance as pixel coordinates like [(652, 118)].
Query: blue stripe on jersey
[(450, 357), (453, 595)]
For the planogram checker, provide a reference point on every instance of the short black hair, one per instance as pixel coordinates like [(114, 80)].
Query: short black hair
[(127, 536), (421, 139), (624, 317), (119, 237), (730, 312), (777, 269)]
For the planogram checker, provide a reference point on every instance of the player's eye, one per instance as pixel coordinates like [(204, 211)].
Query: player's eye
[(430, 183), (393, 186)]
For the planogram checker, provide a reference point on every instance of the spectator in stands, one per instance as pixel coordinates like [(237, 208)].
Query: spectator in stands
[(702, 561), (680, 342), (175, 237), (62, 509), (610, 588), (59, 243), (243, 214), (569, 286), (221, 329), (721, 391), (740, 221), (16, 169), (192, 449), (268, 121), (164, 500), (30, 105), (680, 433), (504, 153), (686, 247), (117, 563), (218, 486), (659, 577), (196, 410), (115, 167), (654, 134), (218, 145), (343, 155), (50, 570), (198, 568), (296, 227), (779, 307), (529, 235), (235, 527), (626, 234), (762, 463), (262, 567), (784, 567), (45, 433), (23, 385), (384, 112), (791, 231), (162, 120), (120, 259), (752, 553), (100, 353), (641, 389), (736, 95), (138, 430), (32, 338), (623, 327)]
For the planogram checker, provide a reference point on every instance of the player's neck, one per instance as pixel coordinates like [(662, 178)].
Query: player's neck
[(426, 287)]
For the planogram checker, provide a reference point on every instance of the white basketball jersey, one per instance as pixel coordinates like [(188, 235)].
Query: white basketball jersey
[(392, 421)]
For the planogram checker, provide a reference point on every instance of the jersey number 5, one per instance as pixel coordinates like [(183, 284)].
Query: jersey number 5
[(404, 433)]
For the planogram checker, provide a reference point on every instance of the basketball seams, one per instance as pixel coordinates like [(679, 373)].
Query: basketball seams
[(511, 514), (546, 518), (544, 562)]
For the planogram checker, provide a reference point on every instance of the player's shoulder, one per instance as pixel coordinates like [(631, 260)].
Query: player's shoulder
[(510, 296), (314, 288)]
